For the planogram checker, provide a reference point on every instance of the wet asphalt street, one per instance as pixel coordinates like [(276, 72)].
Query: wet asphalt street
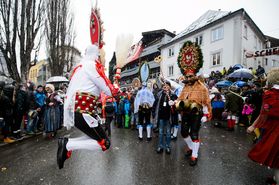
[(222, 161)]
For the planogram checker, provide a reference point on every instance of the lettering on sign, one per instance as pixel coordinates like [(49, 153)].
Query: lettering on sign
[(264, 52)]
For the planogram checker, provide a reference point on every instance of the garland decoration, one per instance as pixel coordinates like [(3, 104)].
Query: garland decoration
[(190, 58)]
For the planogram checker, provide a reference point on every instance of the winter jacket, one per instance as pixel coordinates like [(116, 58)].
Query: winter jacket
[(40, 98), (21, 104), (234, 103)]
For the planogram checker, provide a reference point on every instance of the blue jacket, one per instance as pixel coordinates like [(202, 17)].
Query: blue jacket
[(217, 104), (126, 106), (40, 98)]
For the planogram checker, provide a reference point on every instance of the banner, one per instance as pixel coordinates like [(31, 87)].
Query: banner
[(264, 52), (135, 52)]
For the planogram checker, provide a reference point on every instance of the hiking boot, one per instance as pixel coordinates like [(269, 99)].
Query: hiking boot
[(8, 140), (188, 154), (174, 138), (149, 138), (62, 152), (30, 133), (168, 150), (159, 150), (193, 161)]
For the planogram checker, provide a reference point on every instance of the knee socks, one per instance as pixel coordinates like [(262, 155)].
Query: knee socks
[(83, 142), (196, 146), (189, 142)]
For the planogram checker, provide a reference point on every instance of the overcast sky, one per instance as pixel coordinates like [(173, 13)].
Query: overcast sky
[(137, 16)]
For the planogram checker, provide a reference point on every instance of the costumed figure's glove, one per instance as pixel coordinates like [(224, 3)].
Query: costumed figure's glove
[(171, 103), (205, 114)]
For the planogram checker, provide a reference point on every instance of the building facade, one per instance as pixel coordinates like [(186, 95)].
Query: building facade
[(39, 73), (146, 50), (224, 37)]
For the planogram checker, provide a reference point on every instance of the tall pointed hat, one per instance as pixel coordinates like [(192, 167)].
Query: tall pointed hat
[(96, 28)]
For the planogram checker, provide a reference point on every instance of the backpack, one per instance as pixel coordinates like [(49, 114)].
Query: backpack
[(109, 108)]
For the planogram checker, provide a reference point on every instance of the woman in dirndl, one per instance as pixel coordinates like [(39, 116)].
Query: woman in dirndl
[(52, 113), (266, 151)]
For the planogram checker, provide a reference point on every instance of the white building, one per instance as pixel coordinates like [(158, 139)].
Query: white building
[(224, 37)]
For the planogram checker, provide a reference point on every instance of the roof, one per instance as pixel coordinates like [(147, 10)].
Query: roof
[(210, 19), (274, 42), (149, 37), (161, 31)]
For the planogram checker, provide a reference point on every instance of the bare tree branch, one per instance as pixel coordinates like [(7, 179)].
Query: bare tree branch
[(20, 21), (59, 35)]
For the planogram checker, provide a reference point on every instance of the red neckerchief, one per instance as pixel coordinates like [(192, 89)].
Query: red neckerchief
[(100, 69)]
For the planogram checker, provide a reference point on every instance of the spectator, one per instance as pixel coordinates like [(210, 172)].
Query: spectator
[(40, 98), (233, 106), (164, 105), (134, 116), (32, 115), (247, 112), (20, 109), (109, 112), (52, 114), (252, 70), (230, 70), (155, 92), (5, 114), (260, 71), (218, 105), (224, 71), (127, 110), (120, 111)]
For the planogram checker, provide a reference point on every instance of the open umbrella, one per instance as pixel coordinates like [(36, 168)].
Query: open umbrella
[(242, 74), (57, 79), (239, 83), (237, 66), (245, 70), (224, 83)]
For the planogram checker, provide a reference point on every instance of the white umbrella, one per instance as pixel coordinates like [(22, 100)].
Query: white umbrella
[(244, 70), (57, 79)]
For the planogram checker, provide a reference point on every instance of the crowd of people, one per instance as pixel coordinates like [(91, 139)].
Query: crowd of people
[(28, 110)]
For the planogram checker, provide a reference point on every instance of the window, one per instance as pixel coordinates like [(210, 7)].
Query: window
[(256, 42), (171, 52), (198, 40), (216, 59), (170, 73), (245, 32), (275, 63), (217, 34), (266, 61)]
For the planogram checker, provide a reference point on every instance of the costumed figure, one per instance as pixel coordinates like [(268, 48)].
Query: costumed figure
[(143, 104), (87, 82), (266, 151), (193, 102)]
